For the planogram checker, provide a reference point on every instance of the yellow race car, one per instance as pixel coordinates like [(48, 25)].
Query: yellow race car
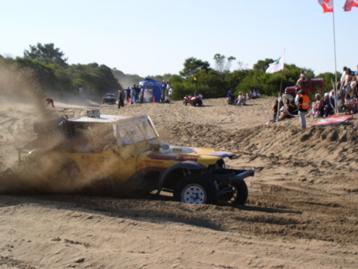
[(124, 155)]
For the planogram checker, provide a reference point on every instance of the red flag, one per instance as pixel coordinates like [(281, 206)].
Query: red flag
[(350, 4), (327, 5)]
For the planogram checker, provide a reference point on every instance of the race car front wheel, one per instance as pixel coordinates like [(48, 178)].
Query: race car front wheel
[(240, 194), (195, 191)]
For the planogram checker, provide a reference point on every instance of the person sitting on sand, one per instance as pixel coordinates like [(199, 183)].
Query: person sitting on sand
[(328, 105), (317, 106), (241, 99), (288, 109)]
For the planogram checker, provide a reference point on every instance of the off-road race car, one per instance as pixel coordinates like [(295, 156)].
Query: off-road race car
[(124, 155)]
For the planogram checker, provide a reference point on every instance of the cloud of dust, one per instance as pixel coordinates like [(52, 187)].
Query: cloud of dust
[(49, 169), (20, 87), (20, 106)]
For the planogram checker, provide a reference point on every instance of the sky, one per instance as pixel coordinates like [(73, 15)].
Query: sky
[(150, 37)]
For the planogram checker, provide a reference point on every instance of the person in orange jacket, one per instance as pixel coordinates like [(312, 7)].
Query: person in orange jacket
[(303, 103)]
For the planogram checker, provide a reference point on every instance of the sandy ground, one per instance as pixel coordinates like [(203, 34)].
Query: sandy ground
[(302, 209)]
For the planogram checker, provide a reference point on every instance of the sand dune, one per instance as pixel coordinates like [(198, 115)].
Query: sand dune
[(302, 210)]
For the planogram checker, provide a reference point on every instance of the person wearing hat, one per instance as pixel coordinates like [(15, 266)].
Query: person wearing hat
[(303, 103)]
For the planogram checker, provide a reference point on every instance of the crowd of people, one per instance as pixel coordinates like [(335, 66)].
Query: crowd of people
[(344, 99), (241, 98), (137, 93), (295, 101)]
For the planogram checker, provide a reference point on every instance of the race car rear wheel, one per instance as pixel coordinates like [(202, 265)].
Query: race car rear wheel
[(195, 191)]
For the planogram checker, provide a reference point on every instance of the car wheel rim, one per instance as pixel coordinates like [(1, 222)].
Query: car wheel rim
[(193, 194), (234, 194)]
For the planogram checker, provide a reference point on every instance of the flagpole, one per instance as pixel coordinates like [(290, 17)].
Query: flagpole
[(283, 68), (335, 58), (281, 83)]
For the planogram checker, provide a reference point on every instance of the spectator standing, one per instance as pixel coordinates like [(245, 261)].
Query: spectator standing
[(141, 94), (133, 94), (230, 97), (347, 82), (163, 91), (168, 86), (120, 98), (137, 93), (343, 76), (128, 95), (170, 94), (303, 103), (354, 86)]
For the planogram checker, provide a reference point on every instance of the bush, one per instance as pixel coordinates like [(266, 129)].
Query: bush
[(58, 78), (200, 78)]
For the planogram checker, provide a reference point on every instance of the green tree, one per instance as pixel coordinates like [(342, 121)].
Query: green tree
[(262, 65), (94, 79), (192, 66), (44, 74), (328, 80), (233, 79), (59, 79), (46, 53)]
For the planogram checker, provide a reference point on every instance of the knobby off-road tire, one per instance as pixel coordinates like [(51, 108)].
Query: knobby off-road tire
[(242, 193), (199, 103), (195, 190), (233, 194)]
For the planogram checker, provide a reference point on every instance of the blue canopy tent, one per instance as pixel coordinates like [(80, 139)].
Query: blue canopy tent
[(152, 90)]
